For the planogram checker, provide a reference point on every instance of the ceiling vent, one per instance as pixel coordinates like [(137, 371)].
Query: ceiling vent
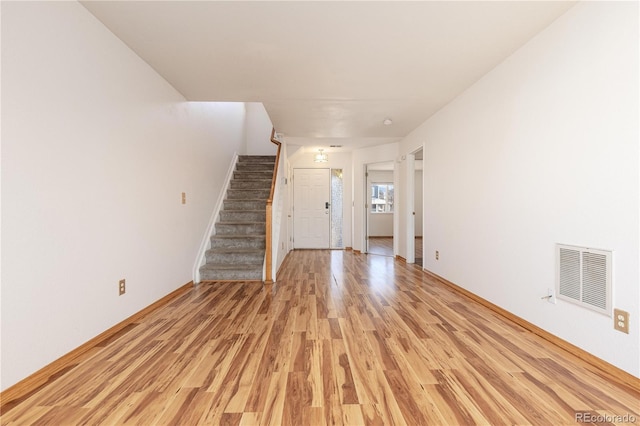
[(584, 277)]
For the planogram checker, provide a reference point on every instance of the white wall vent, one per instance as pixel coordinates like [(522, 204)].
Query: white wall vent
[(584, 277)]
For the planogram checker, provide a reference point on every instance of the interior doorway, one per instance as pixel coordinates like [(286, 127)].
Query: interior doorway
[(380, 208), (414, 216), (418, 207)]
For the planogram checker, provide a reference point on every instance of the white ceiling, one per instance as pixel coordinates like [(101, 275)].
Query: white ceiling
[(328, 72)]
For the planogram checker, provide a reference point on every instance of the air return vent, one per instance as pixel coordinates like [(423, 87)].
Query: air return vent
[(584, 277)]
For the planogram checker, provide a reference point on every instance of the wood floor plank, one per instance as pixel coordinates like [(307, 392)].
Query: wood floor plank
[(30, 416), (352, 415), (149, 408), (244, 374), (178, 410), (332, 385), (340, 338), (250, 419), (313, 350), (275, 399), (343, 375), (61, 415), (494, 407), (409, 362), (377, 393)]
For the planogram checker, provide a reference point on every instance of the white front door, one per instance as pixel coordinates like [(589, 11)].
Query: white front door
[(311, 210)]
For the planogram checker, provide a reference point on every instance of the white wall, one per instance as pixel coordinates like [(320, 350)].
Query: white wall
[(302, 158), (543, 150), (258, 129), (362, 157), (96, 150), (380, 224), (403, 211)]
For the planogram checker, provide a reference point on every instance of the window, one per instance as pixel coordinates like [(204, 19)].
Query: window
[(381, 198)]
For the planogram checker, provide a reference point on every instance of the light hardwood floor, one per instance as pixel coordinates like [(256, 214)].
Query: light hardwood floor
[(381, 245), (384, 246), (341, 338)]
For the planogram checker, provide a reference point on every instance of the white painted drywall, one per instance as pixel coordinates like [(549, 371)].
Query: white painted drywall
[(381, 224), (302, 158), (258, 129), (543, 150), (96, 150)]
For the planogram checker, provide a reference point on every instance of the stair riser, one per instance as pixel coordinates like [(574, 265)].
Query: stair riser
[(248, 275), (244, 205), (240, 229), (254, 167), (253, 175), (249, 243), (250, 184), (243, 216), (237, 258), (248, 194)]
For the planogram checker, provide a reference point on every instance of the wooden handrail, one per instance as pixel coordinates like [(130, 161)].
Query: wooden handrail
[(269, 236)]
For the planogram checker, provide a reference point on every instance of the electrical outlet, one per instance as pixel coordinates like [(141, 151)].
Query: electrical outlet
[(122, 287), (184, 198), (621, 320), (437, 255)]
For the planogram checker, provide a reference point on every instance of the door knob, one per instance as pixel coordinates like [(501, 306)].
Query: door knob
[(326, 205)]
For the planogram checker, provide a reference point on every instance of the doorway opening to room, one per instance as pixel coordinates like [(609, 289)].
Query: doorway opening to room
[(380, 208), (415, 207), (317, 209)]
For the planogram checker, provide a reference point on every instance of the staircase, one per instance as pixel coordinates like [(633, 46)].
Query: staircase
[(238, 247)]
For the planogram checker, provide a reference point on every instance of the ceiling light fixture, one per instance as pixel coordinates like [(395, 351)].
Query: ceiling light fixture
[(321, 157), (387, 122)]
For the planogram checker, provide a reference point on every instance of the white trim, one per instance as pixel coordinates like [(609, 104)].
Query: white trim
[(211, 228), (410, 208), (366, 206), (396, 217)]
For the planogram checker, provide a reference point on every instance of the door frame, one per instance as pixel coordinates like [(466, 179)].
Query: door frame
[(410, 211), (367, 200)]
